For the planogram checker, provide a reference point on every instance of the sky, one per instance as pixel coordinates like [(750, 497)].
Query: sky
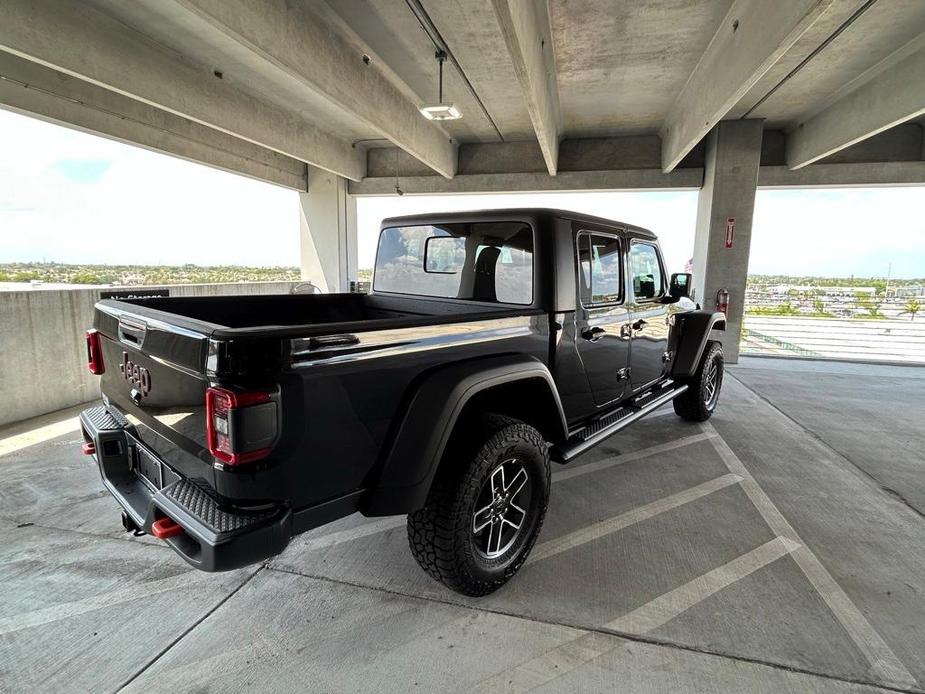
[(71, 197)]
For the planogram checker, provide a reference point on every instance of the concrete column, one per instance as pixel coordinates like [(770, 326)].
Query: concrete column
[(730, 180), (328, 232)]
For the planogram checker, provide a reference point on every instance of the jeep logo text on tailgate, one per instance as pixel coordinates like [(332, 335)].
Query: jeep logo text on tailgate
[(138, 376)]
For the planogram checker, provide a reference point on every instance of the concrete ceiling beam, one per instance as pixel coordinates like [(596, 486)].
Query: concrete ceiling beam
[(752, 37), (525, 27), (861, 175), (891, 93), (77, 40), (290, 37), (36, 90), (571, 181)]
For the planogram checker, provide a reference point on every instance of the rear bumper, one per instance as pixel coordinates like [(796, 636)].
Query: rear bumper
[(214, 538)]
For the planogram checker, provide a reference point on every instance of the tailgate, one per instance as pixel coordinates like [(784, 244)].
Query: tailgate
[(155, 374)]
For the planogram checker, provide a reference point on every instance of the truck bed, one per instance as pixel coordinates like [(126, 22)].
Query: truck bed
[(340, 362), (288, 315)]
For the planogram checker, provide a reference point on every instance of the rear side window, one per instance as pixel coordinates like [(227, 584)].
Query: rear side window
[(600, 263), (481, 261), (647, 272)]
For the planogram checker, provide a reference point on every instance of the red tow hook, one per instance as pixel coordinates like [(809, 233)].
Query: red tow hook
[(166, 527), (89, 448)]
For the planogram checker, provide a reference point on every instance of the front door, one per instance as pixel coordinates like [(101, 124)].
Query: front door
[(602, 319), (649, 325)]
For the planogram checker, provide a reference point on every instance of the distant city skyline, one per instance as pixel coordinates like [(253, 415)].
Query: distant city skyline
[(71, 197)]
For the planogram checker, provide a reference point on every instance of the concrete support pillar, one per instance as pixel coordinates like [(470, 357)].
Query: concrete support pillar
[(730, 180), (328, 232)]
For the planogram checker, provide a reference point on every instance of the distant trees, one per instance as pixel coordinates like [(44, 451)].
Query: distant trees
[(87, 277), (866, 303), (59, 273), (912, 307)]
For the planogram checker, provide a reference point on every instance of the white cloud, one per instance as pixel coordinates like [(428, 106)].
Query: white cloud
[(146, 208)]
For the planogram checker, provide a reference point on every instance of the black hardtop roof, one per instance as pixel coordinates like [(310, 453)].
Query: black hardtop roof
[(531, 213)]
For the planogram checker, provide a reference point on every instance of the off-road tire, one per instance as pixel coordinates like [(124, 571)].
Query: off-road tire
[(441, 534), (697, 404)]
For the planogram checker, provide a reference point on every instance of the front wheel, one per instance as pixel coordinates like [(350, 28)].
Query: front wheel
[(698, 402), (486, 507)]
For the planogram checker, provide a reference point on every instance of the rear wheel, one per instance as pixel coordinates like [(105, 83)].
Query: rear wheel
[(486, 506), (698, 403)]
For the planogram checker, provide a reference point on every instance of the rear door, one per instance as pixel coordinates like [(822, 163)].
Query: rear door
[(602, 317), (649, 327)]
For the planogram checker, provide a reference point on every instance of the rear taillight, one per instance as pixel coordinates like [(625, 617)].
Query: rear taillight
[(240, 426), (95, 353)]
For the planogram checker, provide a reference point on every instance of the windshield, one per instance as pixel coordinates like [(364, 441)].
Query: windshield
[(481, 261)]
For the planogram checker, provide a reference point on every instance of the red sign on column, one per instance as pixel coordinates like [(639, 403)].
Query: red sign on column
[(730, 230)]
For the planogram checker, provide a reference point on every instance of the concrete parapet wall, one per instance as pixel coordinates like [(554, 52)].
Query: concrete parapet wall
[(43, 355)]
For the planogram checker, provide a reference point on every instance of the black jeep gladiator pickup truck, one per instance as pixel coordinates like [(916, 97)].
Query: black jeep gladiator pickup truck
[(491, 343)]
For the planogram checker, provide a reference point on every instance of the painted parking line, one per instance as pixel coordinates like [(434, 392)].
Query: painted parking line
[(379, 526), (666, 607), (551, 665), (584, 469), (140, 591), (17, 442), (593, 532), (575, 653), (884, 663), (336, 538)]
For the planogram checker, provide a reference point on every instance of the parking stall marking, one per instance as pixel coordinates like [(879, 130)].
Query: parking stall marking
[(574, 539), (584, 648), (576, 652), (667, 606), (884, 663), (575, 471), (371, 528), (64, 610), (551, 665), (382, 525)]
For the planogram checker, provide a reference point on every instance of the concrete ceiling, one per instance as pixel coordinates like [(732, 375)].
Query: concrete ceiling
[(621, 64), (871, 38), (352, 73), (194, 40)]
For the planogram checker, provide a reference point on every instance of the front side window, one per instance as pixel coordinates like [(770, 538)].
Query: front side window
[(601, 269), (647, 272), (481, 261)]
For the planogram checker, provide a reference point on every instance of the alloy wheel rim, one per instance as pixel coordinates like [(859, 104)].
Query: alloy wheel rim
[(711, 383), (501, 516)]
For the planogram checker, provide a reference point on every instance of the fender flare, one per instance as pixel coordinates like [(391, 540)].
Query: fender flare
[(694, 330), (414, 453)]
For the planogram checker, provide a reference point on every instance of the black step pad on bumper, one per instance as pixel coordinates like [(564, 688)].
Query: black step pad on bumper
[(103, 420), (215, 538), (200, 505)]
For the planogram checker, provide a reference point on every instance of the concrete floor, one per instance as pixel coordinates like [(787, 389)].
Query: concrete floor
[(779, 548)]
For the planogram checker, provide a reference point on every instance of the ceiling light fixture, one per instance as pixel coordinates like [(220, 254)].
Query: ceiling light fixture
[(440, 110)]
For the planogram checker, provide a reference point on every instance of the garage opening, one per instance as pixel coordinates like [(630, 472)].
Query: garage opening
[(837, 274)]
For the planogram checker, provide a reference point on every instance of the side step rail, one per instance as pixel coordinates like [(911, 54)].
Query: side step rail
[(578, 444)]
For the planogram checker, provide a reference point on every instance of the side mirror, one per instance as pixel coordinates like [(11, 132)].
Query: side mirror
[(680, 285)]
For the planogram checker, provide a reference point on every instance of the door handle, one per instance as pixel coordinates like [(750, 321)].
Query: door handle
[(593, 334), (640, 324)]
